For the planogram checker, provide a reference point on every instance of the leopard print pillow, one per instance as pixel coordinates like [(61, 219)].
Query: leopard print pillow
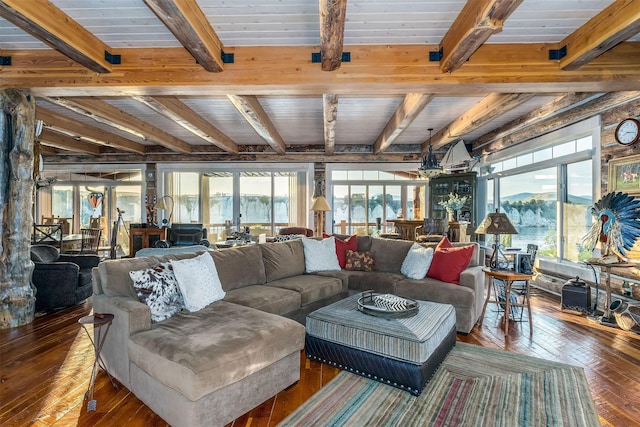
[(158, 288)]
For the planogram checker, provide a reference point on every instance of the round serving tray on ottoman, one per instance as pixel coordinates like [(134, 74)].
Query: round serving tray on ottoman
[(387, 305)]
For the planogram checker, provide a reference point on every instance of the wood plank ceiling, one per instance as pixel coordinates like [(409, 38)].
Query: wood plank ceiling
[(153, 80)]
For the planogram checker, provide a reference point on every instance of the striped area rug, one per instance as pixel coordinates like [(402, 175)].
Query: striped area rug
[(474, 386)]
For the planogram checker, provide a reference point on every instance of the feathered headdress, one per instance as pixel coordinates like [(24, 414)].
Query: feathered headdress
[(617, 224)]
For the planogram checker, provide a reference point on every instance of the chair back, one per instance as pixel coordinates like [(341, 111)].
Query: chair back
[(432, 226), (50, 234), (90, 240), (296, 230)]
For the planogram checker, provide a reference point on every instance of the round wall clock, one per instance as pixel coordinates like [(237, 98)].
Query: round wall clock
[(628, 132)]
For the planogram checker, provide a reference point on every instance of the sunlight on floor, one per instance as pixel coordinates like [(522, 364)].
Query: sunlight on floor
[(74, 373)]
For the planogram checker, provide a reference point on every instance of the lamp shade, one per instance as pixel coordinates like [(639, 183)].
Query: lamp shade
[(496, 223), (161, 204), (320, 205)]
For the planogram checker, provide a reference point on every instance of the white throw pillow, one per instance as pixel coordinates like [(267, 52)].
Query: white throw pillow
[(158, 288), (417, 262), (320, 255), (198, 281)]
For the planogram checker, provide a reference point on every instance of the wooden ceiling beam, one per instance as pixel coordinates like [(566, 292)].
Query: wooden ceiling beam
[(581, 112), (407, 111), (254, 114), (333, 14), (492, 106), (330, 115), (190, 26), (57, 140), (558, 106), (176, 110), (617, 23), (478, 20), (263, 70), (82, 130), (105, 113), (44, 21)]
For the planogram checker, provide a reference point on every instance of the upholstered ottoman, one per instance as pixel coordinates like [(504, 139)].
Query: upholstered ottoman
[(403, 353)]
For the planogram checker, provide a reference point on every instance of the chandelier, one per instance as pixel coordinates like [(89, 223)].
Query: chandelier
[(430, 166)]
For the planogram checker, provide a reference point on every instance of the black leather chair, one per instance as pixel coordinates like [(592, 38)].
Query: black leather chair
[(61, 280), (184, 235)]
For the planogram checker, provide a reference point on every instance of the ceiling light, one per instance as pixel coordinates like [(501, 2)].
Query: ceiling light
[(430, 166)]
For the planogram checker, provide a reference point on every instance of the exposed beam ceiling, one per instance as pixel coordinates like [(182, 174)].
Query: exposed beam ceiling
[(104, 112), (615, 24), (185, 20), (478, 115), (65, 124), (176, 110), (411, 106), (478, 20), (330, 115), (46, 22), (333, 14), (254, 114), (64, 142), (494, 85)]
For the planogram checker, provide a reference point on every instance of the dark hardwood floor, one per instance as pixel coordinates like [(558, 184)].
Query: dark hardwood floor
[(46, 367)]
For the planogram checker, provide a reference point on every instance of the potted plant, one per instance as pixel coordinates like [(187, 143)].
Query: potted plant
[(453, 204)]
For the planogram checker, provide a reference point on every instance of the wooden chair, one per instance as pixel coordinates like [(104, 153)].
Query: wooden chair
[(432, 230), (90, 240), (50, 234)]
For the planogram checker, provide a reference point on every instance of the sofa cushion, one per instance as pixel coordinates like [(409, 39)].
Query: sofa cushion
[(417, 262), (265, 298), (389, 254), (359, 261), (311, 287), (437, 291), (241, 266), (226, 342), (198, 281), (284, 259), (114, 274), (376, 281), (364, 242), (449, 262), (157, 287), (320, 255)]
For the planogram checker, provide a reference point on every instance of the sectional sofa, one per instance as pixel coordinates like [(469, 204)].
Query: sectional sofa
[(210, 366)]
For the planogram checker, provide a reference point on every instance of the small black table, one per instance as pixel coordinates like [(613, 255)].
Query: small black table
[(98, 320)]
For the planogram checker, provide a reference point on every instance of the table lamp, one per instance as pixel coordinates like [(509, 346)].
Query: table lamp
[(162, 205), (496, 223), (320, 206)]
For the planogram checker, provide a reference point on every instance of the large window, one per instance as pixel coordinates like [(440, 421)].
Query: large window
[(361, 198), (547, 193), (226, 201)]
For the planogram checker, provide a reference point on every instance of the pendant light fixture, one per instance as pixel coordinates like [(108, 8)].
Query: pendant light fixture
[(430, 166)]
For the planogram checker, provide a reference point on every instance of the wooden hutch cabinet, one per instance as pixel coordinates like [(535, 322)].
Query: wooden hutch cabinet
[(462, 184)]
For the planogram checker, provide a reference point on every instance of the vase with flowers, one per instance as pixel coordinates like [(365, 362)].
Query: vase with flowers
[(453, 204)]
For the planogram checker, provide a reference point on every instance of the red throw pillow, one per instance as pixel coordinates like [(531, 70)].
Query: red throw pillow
[(444, 243), (342, 246), (449, 262)]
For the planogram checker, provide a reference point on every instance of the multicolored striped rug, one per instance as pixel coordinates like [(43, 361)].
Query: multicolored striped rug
[(474, 386)]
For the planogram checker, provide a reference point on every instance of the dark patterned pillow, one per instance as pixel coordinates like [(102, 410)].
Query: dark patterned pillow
[(359, 261), (285, 237), (158, 288)]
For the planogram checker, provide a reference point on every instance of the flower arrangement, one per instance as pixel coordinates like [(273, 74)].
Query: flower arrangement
[(454, 203)]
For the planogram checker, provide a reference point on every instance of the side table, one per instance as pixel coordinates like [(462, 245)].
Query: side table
[(98, 320), (607, 318), (507, 277)]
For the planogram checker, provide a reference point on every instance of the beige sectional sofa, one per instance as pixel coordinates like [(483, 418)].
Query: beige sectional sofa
[(211, 366)]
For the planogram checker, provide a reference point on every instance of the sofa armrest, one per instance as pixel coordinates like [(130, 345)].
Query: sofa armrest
[(204, 242), (474, 278), (84, 261), (130, 316)]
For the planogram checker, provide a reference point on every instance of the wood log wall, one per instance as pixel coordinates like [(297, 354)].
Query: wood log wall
[(17, 129)]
